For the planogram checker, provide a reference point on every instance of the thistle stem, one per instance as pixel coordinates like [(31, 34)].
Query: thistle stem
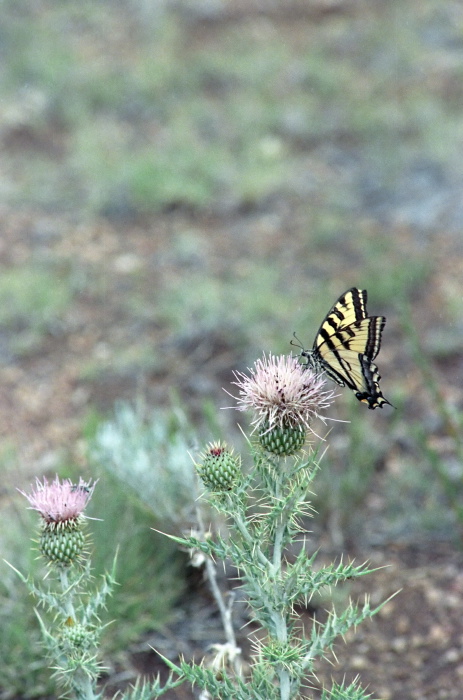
[(67, 595), (83, 688), (279, 620), (277, 548), (234, 653)]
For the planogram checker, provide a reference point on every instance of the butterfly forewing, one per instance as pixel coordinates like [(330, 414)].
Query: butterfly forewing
[(349, 308)]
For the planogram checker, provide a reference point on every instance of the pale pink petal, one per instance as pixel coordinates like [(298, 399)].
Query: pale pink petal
[(59, 501)]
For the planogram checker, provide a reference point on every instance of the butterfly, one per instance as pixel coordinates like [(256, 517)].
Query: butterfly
[(345, 346)]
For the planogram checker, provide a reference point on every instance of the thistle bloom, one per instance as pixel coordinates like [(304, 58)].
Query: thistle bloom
[(284, 396), (61, 505), (282, 392), (59, 502)]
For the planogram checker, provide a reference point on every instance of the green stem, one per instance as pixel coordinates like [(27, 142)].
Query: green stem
[(83, 684), (83, 687), (247, 537), (277, 548), (279, 619), (67, 594)]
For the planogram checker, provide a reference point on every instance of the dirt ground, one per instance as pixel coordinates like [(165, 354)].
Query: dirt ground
[(413, 649)]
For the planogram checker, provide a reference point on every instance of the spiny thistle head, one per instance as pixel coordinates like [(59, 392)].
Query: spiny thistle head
[(219, 468), (285, 397), (77, 636), (283, 441), (61, 506)]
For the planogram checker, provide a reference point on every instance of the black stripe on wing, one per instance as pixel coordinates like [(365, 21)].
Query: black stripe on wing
[(374, 336)]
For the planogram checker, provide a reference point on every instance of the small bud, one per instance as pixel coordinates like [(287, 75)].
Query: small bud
[(220, 468), (283, 441), (76, 636)]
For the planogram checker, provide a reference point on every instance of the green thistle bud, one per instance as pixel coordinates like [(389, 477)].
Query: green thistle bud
[(220, 468), (283, 441), (75, 635), (62, 543)]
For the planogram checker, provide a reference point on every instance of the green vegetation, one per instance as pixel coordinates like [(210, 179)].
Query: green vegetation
[(162, 121), (150, 572), (150, 456), (33, 301), (348, 471), (22, 671), (156, 119)]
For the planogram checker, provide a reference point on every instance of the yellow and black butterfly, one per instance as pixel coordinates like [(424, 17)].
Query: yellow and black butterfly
[(346, 344)]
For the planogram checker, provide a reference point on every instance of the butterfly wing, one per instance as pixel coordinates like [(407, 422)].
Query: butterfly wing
[(346, 344), (350, 307)]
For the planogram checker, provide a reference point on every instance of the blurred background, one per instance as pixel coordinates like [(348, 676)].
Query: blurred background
[(184, 184)]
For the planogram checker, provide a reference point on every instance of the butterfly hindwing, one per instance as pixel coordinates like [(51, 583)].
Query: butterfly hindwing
[(372, 394), (346, 344)]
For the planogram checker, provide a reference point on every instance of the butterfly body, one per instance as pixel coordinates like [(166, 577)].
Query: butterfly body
[(345, 346)]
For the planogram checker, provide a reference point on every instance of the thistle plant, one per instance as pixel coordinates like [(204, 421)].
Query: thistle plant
[(67, 591), (264, 502), (264, 508)]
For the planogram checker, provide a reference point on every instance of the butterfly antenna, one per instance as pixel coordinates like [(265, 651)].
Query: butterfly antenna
[(298, 344)]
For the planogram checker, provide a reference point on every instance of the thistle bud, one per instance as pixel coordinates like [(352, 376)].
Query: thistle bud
[(76, 636), (62, 543), (219, 468), (282, 440)]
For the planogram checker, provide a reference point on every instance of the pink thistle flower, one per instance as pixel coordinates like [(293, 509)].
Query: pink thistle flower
[(60, 502), (282, 393)]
